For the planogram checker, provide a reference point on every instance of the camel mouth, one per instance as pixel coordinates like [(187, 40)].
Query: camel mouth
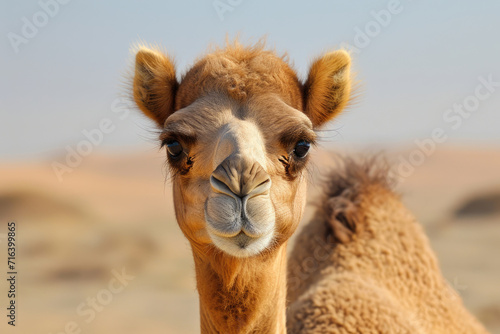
[(240, 227), (242, 240), (241, 245)]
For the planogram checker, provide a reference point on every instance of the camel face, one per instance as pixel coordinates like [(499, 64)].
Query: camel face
[(237, 131), (236, 168)]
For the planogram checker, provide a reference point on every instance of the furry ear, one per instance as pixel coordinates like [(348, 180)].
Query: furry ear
[(328, 87), (343, 218), (155, 84)]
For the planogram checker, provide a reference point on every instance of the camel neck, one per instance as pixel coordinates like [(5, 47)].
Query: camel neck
[(242, 295)]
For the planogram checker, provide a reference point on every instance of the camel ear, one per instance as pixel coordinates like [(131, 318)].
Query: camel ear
[(343, 218), (155, 84), (328, 87)]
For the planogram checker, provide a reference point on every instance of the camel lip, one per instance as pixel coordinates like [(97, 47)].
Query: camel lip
[(241, 245), (240, 237), (232, 229), (242, 240)]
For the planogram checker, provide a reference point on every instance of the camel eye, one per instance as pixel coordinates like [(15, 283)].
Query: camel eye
[(174, 148), (301, 149)]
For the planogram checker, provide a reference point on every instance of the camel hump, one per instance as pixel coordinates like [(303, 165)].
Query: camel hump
[(349, 188)]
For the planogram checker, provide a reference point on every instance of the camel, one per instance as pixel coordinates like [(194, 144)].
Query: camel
[(237, 130), (363, 264)]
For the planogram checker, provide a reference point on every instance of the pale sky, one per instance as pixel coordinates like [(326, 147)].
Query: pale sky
[(413, 65)]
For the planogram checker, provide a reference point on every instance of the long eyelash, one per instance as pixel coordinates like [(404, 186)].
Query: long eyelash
[(328, 134), (165, 141), (173, 172)]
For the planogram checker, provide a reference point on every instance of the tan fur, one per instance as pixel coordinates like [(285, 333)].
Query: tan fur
[(382, 278), (241, 72), (363, 265), (238, 106), (328, 87), (154, 84)]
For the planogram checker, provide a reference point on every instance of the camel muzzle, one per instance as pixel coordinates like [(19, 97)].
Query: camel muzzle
[(239, 214)]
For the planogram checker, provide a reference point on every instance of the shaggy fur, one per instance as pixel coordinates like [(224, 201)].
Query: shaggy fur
[(364, 265), (326, 87), (154, 85), (241, 72)]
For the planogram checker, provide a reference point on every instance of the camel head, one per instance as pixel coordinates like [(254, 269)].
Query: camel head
[(237, 130)]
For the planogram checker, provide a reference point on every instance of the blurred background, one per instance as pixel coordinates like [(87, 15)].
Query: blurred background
[(82, 176)]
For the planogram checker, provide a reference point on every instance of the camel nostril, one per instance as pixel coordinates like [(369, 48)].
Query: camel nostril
[(263, 183), (237, 177), (260, 188), (220, 186)]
